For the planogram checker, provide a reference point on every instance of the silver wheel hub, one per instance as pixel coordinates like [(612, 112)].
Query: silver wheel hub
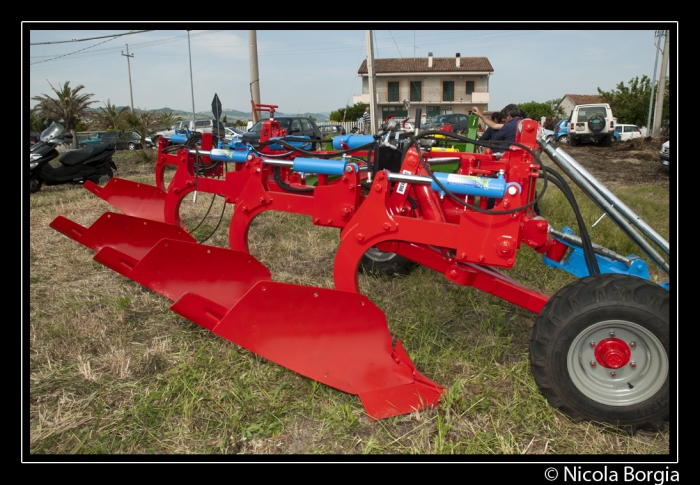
[(618, 363)]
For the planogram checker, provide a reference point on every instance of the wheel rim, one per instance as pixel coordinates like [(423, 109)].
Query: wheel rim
[(617, 363), (132, 146), (379, 256), (563, 139)]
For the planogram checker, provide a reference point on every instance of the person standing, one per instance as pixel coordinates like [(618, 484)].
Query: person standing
[(367, 121), (497, 118), (511, 116)]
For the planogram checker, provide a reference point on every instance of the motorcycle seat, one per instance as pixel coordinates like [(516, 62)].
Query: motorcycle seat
[(75, 157)]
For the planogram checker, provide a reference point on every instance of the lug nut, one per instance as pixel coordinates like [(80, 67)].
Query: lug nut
[(593, 363), (633, 365), (592, 344), (612, 333), (612, 373), (633, 345)]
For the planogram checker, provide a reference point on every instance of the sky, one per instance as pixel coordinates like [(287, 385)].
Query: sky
[(302, 69)]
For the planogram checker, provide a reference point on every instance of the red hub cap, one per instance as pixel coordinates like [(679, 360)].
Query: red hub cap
[(612, 353)]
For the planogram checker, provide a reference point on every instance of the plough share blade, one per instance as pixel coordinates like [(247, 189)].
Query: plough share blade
[(232, 294)]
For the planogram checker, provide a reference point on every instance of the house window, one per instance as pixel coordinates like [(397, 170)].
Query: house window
[(397, 111), (416, 90), (432, 111), (392, 90), (470, 87), (448, 90)]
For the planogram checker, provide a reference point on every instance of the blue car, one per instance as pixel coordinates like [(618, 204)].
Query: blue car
[(561, 131)]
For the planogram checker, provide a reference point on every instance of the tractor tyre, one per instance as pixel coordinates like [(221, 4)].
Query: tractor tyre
[(34, 183), (600, 349), (376, 262)]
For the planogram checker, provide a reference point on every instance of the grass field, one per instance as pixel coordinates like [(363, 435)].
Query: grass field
[(112, 371)]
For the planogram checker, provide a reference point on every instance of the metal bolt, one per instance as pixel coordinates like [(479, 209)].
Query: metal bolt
[(612, 373), (360, 237), (633, 365), (612, 333), (592, 344), (348, 168), (593, 363), (633, 345)]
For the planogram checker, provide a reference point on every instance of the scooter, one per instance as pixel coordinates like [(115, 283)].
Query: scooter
[(92, 163)]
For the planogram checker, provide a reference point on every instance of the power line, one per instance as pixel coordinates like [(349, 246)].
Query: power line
[(71, 53), (92, 38)]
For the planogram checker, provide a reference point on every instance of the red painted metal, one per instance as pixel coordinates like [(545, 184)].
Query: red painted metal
[(230, 293), (612, 353)]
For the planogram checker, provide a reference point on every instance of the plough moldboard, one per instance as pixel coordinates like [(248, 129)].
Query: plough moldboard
[(386, 193)]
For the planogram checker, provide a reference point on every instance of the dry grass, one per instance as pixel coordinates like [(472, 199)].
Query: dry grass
[(112, 371)]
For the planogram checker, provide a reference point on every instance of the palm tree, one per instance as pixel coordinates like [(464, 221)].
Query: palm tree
[(68, 106), (142, 123), (167, 119), (111, 117)]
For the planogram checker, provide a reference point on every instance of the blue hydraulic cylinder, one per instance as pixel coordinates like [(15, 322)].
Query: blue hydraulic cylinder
[(219, 155), (179, 137), (351, 140), (471, 185), (316, 165)]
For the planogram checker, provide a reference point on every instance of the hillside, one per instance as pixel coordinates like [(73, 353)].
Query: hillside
[(232, 114)]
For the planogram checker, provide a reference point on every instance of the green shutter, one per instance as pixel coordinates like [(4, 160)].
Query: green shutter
[(448, 90)]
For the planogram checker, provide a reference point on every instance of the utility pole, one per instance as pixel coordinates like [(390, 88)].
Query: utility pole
[(657, 38), (128, 64), (661, 89), (370, 71), (189, 49), (254, 78)]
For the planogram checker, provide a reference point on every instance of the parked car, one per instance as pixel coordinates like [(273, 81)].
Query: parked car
[(295, 126), (124, 141), (561, 131), (331, 130), (233, 133), (664, 155), (628, 132), (201, 126), (459, 122), (591, 123)]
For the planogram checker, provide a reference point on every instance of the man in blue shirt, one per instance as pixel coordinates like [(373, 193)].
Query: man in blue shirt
[(496, 117), (506, 131)]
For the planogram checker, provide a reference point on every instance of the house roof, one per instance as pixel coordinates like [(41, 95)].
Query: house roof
[(420, 64), (584, 98)]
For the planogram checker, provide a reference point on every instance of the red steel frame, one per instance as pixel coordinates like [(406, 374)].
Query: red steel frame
[(416, 222)]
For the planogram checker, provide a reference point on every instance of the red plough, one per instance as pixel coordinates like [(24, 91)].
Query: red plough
[(382, 194)]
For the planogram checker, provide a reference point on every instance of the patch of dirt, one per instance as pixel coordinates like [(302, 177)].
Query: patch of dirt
[(633, 162)]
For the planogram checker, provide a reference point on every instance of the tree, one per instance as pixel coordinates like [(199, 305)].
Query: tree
[(348, 113), (224, 120), (166, 119), (110, 117), (549, 109), (630, 104), (68, 106), (142, 122)]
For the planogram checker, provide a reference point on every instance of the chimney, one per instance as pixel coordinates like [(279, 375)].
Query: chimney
[(457, 59), (430, 59)]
